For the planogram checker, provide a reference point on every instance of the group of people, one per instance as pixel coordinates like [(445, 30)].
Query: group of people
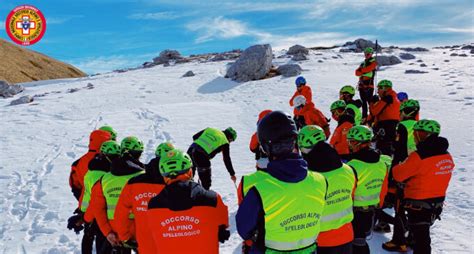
[(311, 191)]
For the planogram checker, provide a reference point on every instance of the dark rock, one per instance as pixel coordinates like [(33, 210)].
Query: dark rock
[(419, 61), (320, 61), (417, 49), (148, 64), (188, 74), (7, 90), (453, 54), (446, 61), (423, 65), (297, 49), (415, 72), (462, 55), (468, 47), (407, 56), (253, 64), (359, 45), (22, 100), (289, 70), (387, 60), (436, 69), (472, 51), (299, 57), (166, 56), (72, 90)]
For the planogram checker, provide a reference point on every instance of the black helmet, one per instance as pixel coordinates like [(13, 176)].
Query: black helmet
[(277, 134)]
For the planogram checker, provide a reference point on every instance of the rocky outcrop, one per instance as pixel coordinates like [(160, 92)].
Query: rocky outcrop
[(297, 50), (22, 100), (358, 46), (166, 56), (188, 74), (7, 90), (387, 60), (407, 56), (289, 70), (253, 64)]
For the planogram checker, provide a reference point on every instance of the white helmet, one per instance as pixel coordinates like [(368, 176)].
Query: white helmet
[(299, 100)]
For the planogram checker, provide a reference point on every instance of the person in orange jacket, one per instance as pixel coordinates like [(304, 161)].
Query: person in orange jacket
[(366, 74), (185, 217), (309, 115), (135, 197), (260, 157), (426, 174), (345, 121), (302, 89), (385, 114), (106, 192)]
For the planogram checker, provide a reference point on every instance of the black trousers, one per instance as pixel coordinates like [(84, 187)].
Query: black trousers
[(420, 222), (341, 249), (362, 225), (365, 95), (385, 135), (202, 165), (91, 233)]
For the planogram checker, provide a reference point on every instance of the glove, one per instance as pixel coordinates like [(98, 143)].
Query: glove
[(387, 99), (130, 244), (75, 222), (113, 239), (374, 99), (224, 234), (233, 178)]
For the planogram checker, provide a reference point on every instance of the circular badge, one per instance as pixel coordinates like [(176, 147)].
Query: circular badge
[(25, 25)]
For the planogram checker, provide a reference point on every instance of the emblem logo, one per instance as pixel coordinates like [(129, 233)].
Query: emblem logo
[(25, 25)]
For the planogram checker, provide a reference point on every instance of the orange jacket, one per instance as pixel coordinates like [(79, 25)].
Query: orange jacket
[(427, 171), (254, 143), (134, 198), (381, 111), (362, 70), (337, 236), (312, 116), (185, 221), (80, 167), (339, 138), (306, 92)]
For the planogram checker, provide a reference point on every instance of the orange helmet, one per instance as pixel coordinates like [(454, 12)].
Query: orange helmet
[(263, 114)]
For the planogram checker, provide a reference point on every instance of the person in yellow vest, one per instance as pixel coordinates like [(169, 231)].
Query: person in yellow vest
[(404, 146), (98, 166), (106, 192), (352, 106), (336, 229), (371, 171), (274, 213), (207, 143), (366, 74)]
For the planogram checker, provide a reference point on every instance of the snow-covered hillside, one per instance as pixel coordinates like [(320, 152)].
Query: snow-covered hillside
[(40, 140)]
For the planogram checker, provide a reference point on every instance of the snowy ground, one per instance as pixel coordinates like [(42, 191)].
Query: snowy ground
[(39, 141)]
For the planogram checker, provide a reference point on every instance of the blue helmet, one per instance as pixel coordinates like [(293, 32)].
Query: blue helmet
[(402, 96), (300, 81)]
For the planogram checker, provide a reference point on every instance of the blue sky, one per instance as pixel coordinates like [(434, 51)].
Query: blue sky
[(101, 35)]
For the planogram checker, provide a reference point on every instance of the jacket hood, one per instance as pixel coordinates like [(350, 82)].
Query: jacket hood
[(368, 155), (125, 166), (291, 169), (432, 146), (100, 163), (345, 118), (323, 158), (153, 170), (96, 139)]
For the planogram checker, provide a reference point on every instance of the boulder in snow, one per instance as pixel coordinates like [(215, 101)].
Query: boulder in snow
[(414, 72), (462, 55), (453, 54), (297, 49), (468, 47), (359, 45), (387, 60), (299, 57), (253, 64), (166, 56), (417, 49), (289, 70), (22, 100), (7, 90), (189, 74), (472, 51), (407, 56), (423, 65)]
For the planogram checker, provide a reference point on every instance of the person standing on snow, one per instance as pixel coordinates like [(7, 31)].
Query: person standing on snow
[(307, 114), (265, 214), (404, 146), (302, 89), (371, 171), (366, 74), (260, 157), (135, 197), (106, 192), (385, 114), (207, 143), (426, 174), (184, 217), (352, 106), (345, 121), (336, 234)]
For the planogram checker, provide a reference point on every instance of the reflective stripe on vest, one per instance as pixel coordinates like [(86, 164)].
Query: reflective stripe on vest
[(112, 186), (211, 139), (91, 177), (370, 180), (368, 74), (292, 210), (338, 209), (358, 114), (248, 181), (411, 145)]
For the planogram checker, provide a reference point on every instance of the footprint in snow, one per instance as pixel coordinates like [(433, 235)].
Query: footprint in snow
[(469, 98)]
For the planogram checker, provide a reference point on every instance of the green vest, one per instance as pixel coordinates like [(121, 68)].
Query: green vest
[(411, 145), (338, 209), (91, 177), (112, 186), (248, 181), (358, 114), (370, 178), (292, 211), (211, 139), (368, 74)]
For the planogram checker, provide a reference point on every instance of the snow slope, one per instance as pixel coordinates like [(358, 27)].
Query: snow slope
[(39, 141)]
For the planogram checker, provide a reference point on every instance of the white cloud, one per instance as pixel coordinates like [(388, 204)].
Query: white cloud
[(155, 16), (218, 28), (103, 64)]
